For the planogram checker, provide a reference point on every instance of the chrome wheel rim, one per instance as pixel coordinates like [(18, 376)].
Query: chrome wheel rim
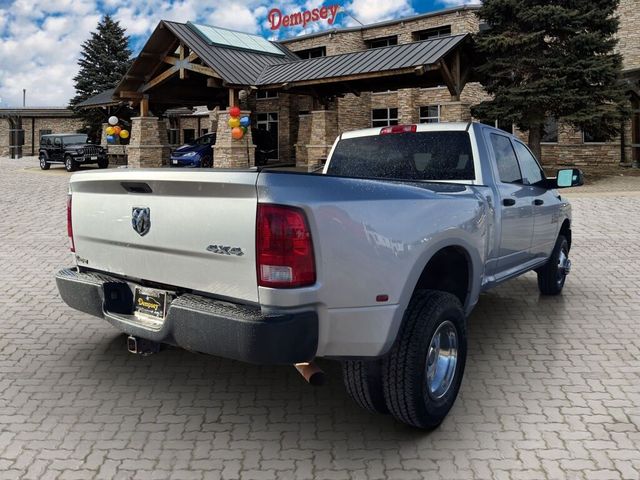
[(442, 359), (42, 161), (563, 266)]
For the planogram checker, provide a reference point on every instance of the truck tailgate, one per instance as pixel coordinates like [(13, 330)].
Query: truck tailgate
[(201, 232)]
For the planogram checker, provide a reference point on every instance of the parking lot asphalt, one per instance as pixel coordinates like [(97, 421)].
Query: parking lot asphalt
[(551, 388)]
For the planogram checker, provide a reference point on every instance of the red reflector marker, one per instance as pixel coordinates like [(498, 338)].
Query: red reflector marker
[(284, 250), (72, 245), (399, 129), (382, 298)]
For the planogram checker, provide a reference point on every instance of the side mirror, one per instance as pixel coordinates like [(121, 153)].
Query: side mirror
[(569, 177)]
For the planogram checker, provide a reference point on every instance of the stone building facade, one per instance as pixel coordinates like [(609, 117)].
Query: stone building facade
[(36, 122), (564, 145)]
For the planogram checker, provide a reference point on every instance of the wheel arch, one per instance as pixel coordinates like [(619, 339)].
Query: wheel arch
[(565, 229)]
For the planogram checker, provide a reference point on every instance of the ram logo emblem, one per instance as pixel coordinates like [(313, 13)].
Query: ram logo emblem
[(141, 220), (225, 250)]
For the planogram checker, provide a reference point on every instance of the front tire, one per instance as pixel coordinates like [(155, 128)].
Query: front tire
[(423, 371), (552, 276), (363, 382), (70, 164), (44, 165), (103, 163), (206, 162)]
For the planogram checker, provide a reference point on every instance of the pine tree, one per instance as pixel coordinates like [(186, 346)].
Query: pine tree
[(542, 58), (104, 60)]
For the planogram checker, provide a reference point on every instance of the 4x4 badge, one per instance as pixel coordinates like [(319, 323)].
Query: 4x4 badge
[(141, 220)]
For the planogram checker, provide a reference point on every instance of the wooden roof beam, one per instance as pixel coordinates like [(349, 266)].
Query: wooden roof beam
[(164, 76)]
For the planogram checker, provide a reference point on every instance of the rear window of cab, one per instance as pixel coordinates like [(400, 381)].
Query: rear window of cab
[(405, 156)]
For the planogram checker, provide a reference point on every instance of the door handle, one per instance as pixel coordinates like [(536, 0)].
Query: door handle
[(537, 201), (509, 202)]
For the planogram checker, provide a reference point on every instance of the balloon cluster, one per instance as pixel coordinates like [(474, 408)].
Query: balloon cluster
[(238, 125), (114, 131)]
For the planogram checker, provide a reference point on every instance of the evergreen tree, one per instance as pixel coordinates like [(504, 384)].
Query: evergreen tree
[(542, 58), (104, 60)]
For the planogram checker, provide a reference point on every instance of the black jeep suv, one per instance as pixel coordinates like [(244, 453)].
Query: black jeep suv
[(72, 149)]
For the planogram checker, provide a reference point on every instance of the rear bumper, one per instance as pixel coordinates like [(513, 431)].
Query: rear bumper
[(197, 323)]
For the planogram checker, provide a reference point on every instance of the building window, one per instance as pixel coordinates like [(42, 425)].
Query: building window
[(263, 94), (430, 114), (550, 132), (432, 33), (382, 42), (312, 53), (188, 135), (593, 135), (383, 117), (268, 143)]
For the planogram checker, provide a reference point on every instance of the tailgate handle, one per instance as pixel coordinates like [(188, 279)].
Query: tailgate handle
[(136, 187)]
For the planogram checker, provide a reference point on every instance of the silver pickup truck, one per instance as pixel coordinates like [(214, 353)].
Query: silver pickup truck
[(375, 262)]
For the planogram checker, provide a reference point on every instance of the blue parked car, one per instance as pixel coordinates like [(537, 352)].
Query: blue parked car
[(196, 154)]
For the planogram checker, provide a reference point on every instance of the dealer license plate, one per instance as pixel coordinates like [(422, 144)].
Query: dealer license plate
[(94, 157), (150, 303)]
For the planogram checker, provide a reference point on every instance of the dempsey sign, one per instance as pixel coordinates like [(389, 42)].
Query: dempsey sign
[(277, 19)]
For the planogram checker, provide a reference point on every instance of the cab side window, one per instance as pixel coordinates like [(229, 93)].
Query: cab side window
[(57, 141), (506, 160), (531, 171)]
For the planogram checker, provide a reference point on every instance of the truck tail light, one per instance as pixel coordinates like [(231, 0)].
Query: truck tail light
[(284, 250), (399, 129), (72, 245)]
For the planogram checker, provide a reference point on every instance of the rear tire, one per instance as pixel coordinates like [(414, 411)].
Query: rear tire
[(70, 164), (423, 371), (552, 276), (44, 165), (363, 381)]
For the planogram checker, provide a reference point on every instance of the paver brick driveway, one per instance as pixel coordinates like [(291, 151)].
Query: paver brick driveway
[(551, 390)]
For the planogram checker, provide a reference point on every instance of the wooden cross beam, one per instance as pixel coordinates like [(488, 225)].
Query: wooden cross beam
[(451, 76)]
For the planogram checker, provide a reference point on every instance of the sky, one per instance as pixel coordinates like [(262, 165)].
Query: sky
[(40, 40)]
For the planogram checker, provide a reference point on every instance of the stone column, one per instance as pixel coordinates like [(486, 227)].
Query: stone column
[(230, 153), (455, 112), (304, 136), (407, 108), (324, 130), (103, 135), (149, 145)]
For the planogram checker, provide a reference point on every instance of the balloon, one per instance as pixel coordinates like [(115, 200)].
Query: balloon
[(116, 130), (234, 111), (245, 121), (109, 130), (234, 122), (113, 120), (124, 133), (237, 133), (111, 139), (244, 129)]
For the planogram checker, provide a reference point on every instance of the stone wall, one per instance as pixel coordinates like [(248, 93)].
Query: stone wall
[(4, 137), (32, 143), (629, 33), (337, 42)]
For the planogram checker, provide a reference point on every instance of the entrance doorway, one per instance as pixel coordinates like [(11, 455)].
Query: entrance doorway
[(267, 143)]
